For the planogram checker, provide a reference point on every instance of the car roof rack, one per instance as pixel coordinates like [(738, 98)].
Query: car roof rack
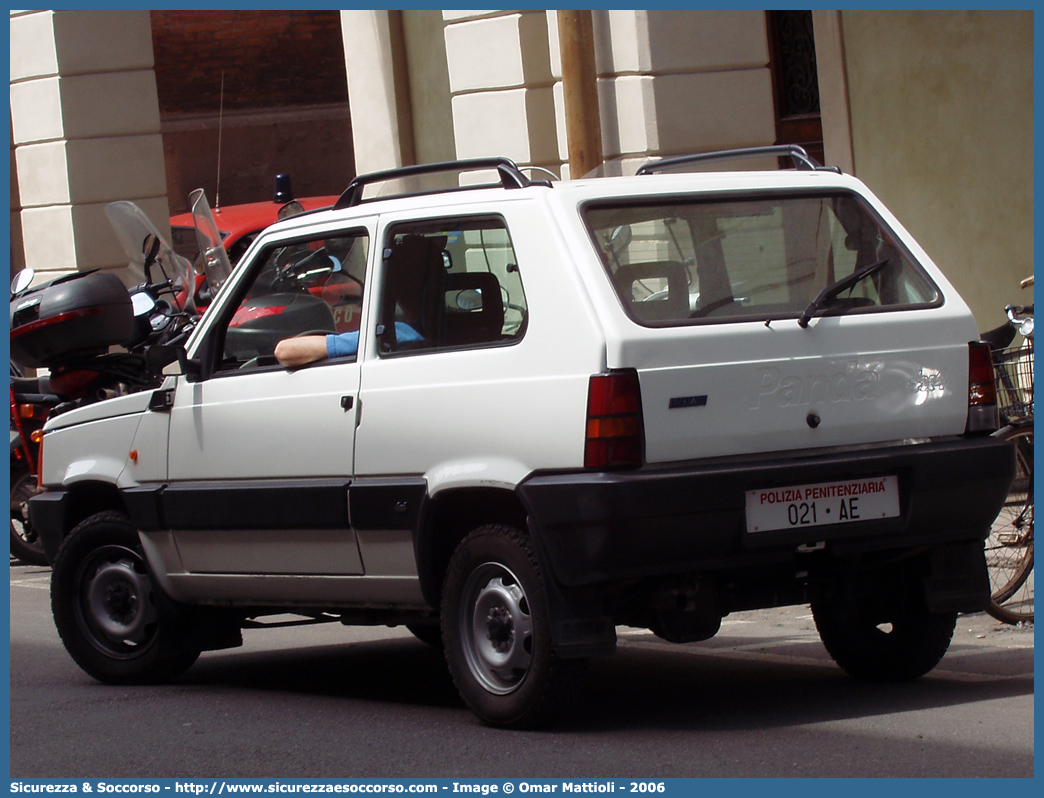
[(801, 159), (510, 177)]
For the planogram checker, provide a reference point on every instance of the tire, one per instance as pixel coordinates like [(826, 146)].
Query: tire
[(25, 543), (1009, 548), (883, 632), (112, 618), (497, 633)]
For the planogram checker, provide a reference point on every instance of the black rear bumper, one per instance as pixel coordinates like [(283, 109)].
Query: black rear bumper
[(599, 527)]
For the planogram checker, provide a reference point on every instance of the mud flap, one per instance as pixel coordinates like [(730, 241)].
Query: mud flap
[(957, 579), (580, 627)]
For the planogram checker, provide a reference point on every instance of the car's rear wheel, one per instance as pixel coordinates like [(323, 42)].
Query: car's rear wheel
[(497, 633), (880, 629), (110, 614)]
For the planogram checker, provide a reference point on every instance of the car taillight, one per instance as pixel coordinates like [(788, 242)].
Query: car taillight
[(614, 421), (982, 390)]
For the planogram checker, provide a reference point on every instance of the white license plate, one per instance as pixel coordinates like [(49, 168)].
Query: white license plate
[(822, 503)]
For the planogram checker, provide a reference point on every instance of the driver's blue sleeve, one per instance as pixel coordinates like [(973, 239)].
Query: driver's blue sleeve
[(347, 344), (342, 345), (405, 334)]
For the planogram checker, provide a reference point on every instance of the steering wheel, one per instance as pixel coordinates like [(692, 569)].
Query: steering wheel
[(306, 333), (289, 275)]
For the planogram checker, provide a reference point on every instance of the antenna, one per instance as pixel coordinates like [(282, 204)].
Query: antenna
[(221, 119)]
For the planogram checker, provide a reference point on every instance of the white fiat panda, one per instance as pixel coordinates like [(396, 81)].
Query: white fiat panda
[(550, 409)]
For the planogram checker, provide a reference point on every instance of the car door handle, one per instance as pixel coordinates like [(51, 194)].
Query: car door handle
[(347, 402)]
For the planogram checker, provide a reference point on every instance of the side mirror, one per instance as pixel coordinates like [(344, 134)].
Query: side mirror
[(141, 303), (171, 361), (620, 238), (150, 251), (21, 281), (617, 242), (292, 208)]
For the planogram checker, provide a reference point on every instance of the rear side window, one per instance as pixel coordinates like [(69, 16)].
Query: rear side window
[(451, 283), (752, 258)]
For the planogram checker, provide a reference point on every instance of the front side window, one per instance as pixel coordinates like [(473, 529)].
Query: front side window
[(450, 284), (752, 258), (312, 285)]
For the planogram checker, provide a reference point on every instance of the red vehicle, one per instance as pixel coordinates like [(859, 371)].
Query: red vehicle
[(240, 224), (310, 269)]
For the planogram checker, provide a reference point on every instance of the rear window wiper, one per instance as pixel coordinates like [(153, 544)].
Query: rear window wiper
[(836, 288)]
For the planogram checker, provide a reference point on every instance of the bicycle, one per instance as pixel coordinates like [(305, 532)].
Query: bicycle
[(1009, 548)]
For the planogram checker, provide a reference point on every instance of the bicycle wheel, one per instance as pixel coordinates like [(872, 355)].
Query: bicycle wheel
[(1009, 548)]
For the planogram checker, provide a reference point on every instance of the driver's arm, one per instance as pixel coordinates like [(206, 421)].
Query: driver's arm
[(292, 352)]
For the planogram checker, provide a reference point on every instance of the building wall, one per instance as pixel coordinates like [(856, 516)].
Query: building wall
[(668, 81), (425, 43), (85, 128), (269, 59), (941, 108), (110, 105), (17, 250), (255, 93), (500, 80), (934, 110), (677, 82), (378, 88)]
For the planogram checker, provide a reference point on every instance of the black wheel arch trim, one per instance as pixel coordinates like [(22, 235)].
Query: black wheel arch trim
[(48, 513)]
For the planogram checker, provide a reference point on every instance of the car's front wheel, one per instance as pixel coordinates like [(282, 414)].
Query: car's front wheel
[(113, 619), (497, 633)]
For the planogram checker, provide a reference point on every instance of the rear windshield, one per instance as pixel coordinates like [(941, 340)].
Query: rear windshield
[(685, 261)]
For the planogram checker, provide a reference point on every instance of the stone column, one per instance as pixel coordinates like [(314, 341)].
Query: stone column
[(501, 85), (86, 131), (833, 89), (17, 250), (378, 89)]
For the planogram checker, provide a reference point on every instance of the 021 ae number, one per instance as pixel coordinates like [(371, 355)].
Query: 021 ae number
[(809, 513)]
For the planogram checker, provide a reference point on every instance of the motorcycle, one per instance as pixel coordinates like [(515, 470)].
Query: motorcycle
[(93, 336), (69, 325), (31, 401)]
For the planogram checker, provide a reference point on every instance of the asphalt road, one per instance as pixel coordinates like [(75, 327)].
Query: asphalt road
[(762, 699)]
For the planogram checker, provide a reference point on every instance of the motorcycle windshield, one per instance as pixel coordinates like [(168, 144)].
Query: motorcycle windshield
[(215, 261), (133, 229)]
